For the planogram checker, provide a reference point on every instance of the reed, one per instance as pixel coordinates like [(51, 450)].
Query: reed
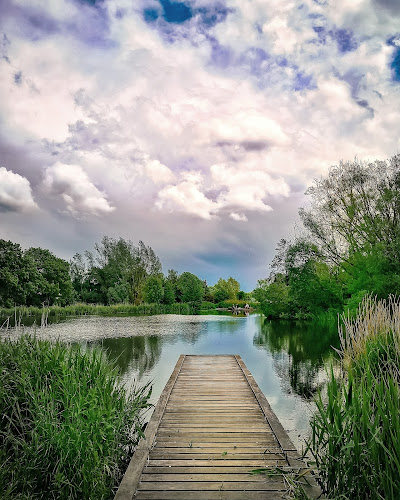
[(79, 309), (67, 425), (356, 428)]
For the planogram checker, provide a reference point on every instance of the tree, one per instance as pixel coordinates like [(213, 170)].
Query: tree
[(153, 290), (192, 290), (54, 286), (18, 275), (172, 280), (169, 293), (118, 269), (226, 289)]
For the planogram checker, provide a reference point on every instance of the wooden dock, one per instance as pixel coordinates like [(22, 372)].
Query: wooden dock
[(211, 427)]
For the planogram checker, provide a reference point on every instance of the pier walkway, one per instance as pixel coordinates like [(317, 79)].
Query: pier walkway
[(211, 427)]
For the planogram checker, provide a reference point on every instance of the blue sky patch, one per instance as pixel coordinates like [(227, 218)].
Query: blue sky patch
[(303, 82), (18, 78), (176, 12), (168, 13), (221, 56), (253, 59), (395, 65), (171, 12), (214, 14), (344, 39)]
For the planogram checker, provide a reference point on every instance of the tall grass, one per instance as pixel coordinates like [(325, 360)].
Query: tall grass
[(80, 309), (356, 430), (67, 427)]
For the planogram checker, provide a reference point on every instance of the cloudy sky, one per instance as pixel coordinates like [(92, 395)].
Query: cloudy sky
[(195, 126)]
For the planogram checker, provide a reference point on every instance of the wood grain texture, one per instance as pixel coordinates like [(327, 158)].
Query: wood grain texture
[(211, 428)]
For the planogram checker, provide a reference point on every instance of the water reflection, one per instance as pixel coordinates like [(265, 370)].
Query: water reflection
[(300, 350), (138, 354), (285, 358)]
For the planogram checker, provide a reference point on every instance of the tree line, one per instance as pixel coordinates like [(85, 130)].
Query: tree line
[(116, 271), (348, 246)]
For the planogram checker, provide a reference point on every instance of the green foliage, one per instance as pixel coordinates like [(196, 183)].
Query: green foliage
[(115, 272), (192, 290), (54, 285), (153, 290), (225, 289), (95, 309), (67, 427), (168, 293), (352, 244), (16, 272), (274, 297), (206, 305), (356, 429), (33, 277)]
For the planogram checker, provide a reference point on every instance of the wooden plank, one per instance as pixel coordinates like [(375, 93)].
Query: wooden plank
[(199, 477), (131, 477), (206, 495), (217, 485), (217, 462), (211, 428), (231, 471), (215, 449)]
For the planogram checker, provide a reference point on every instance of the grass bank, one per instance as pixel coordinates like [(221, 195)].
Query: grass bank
[(356, 429), (15, 314), (67, 426)]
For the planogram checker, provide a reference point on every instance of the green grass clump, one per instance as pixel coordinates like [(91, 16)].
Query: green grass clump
[(356, 429), (17, 314), (67, 426)]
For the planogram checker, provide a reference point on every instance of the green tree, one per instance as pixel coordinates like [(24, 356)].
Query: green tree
[(233, 288), (172, 279), (118, 268), (153, 290), (169, 293), (192, 290), (18, 276), (54, 286), (274, 299), (226, 289)]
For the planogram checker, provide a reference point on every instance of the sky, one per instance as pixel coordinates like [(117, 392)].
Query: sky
[(195, 126)]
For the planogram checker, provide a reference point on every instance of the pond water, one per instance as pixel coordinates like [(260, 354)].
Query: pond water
[(286, 358)]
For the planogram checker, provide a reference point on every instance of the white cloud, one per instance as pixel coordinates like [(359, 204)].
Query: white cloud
[(80, 196), (188, 197), (238, 217), (15, 192), (246, 189), (158, 173)]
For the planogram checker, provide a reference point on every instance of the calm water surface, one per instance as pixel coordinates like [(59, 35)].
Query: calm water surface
[(286, 358)]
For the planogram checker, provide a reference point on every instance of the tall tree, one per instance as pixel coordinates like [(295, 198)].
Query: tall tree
[(192, 290), (18, 275), (54, 286)]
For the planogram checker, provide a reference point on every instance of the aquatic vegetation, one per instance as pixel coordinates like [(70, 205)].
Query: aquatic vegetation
[(79, 309), (356, 429), (67, 426)]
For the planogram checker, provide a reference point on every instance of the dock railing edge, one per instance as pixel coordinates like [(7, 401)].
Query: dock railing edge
[(130, 480), (293, 457)]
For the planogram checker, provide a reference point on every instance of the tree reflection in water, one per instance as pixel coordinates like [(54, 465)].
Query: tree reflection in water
[(139, 353), (299, 350)]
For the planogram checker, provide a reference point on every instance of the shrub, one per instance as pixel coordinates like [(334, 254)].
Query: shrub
[(356, 431), (67, 426)]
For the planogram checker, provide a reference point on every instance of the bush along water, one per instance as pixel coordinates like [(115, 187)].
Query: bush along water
[(356, 429), (16, 314), (67, 425)]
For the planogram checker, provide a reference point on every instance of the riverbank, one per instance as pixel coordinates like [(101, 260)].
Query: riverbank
[(16, 315), (67, 425), (356, 429)]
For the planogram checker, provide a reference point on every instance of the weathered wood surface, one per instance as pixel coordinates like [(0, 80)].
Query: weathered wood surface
[(211, 427)]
